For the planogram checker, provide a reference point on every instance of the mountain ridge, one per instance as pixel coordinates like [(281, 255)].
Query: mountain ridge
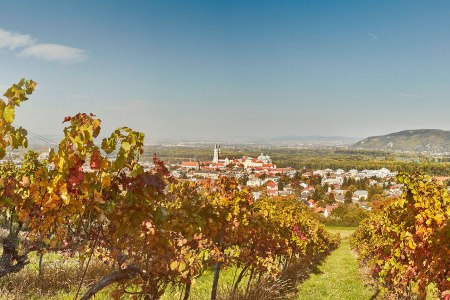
[(411, 140)]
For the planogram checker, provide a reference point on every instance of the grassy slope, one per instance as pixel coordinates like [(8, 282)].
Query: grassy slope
[(339, 277), (59, 281)]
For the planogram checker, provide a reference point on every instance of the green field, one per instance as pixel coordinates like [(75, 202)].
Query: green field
[(338, 277)]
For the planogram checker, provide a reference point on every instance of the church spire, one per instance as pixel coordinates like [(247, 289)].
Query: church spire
[(216, 153)]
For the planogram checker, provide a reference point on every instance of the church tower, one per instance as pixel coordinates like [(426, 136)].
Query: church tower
[(216, 153)]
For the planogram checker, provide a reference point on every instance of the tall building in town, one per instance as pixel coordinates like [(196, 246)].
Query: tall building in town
[(216, 153)]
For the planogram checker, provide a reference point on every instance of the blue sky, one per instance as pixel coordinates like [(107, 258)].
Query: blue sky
[(223, 69)]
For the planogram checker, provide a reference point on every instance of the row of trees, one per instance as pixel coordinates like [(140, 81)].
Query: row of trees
[(406, 244), (154, 230), (346, 215), (320, 163)]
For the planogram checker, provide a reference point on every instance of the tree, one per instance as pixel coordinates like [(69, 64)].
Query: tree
[(243, 180), (348, 215), (344, 182), (374, 190), (352, 188), (377, 197), (405, 245), (330, 199), (379, 202), (362, 184), (15, 182), (280, 185), (317, 193), (348, 197), (321, 203)]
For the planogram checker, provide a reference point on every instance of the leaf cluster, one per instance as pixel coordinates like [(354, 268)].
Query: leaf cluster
[(406, 245)]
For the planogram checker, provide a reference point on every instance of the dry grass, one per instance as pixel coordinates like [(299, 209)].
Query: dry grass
[(267, 289), (282, 287), (60, 276)]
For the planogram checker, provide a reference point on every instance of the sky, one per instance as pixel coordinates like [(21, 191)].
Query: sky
[(218, 70)]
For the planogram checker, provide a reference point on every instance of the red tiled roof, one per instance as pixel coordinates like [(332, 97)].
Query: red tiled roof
[(271, 184), (189, 164), (269, 166)]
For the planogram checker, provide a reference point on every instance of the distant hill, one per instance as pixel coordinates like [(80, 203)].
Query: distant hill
[(421, 140)]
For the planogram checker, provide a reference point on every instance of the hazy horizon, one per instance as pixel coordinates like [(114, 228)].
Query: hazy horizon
[(293, 140), (47, 139), (216, 71)]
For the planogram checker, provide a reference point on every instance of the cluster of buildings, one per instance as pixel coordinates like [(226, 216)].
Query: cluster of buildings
[(251, 168), (263, 177)]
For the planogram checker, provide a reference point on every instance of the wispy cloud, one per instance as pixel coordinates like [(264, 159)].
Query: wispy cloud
[(12, 40), (373, 36), (44, 51), (408, 95), (54, 52)]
